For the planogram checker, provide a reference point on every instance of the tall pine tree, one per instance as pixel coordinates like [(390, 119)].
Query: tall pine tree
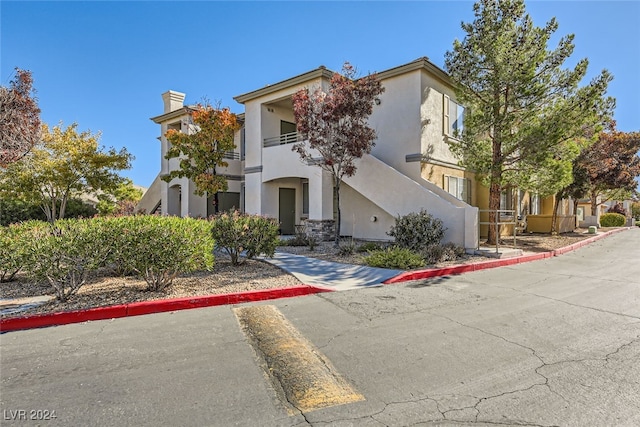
[(524, 107)]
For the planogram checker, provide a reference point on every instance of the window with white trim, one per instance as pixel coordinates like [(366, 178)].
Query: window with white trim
[(453, 117), (535, 204), (458, 187), (506, 202)]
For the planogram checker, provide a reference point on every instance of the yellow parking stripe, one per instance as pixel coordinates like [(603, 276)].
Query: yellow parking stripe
[(307, 378)]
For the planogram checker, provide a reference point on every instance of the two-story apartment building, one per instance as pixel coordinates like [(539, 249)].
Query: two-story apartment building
[(410, 168)]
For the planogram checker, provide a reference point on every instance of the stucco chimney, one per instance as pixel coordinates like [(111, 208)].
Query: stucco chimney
[(173, 101)]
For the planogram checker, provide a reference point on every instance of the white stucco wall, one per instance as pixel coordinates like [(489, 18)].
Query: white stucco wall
[(356, 217), (397, 122)]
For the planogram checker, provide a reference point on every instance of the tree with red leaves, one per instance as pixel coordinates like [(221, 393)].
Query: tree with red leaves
[(612, 165), (334, 124), (19, 118)]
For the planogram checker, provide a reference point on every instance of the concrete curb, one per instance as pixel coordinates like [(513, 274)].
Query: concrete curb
[(150, 307), (483, 265), (160, 306)]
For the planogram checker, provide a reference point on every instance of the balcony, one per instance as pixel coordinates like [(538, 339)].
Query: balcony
[(231, 155), (287, 138)]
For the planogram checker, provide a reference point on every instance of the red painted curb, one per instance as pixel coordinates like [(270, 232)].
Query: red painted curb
[(150, 307), (483, 265)]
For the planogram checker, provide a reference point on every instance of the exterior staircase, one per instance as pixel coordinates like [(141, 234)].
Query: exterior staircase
[(460, 219)]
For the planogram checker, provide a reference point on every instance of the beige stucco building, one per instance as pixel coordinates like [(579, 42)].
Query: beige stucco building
[(410, 168)]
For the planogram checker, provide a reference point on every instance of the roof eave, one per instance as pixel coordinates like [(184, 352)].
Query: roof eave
[(320, 72), (172, 114)]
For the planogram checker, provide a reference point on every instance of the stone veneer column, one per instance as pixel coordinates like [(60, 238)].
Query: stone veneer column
[(323, 229)]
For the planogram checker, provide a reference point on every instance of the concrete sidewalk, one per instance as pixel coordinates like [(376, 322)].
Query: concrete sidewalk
[(331, 275)]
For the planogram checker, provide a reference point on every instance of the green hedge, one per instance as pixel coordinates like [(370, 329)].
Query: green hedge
[(65, 253), (14, 242), (158, 248), (394, 257), (612, 220), (154, 248), (236, 233)]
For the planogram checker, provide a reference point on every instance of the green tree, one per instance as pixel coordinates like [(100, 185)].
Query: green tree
[(203, 150), (121, 200), (335, 125), (63, 165), (524, 107)]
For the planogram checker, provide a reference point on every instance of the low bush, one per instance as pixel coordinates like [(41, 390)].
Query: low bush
[(417, 231), (452, 252), (394, 257), (297, 240), (65, 253), (160, 248), (236, 233), (612, 220), (312, 242), (14, 241), (155, 248), (348, 248), (432, 254), (635, 211), (368, 247)]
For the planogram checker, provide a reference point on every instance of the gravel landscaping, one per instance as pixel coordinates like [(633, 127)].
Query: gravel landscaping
[(103, 290)]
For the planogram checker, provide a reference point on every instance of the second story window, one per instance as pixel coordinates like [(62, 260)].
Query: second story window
[(453, 117)]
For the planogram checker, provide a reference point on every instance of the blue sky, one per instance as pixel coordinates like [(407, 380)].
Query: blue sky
[(105, 64)]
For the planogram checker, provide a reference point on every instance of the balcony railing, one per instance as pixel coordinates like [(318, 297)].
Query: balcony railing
[(287, 138), (231, 155)]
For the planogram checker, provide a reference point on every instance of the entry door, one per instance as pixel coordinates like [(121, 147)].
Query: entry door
[(287, 210)]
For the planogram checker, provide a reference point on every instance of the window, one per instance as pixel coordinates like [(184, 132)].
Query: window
[(453, 117), (535, 204), (305, 198), (287, 127), (460, 188), (506, 202)]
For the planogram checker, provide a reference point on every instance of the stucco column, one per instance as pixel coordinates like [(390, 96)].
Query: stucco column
[(320, 195), (253, 193)]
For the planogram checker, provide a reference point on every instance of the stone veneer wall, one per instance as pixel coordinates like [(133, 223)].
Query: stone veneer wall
[(323, 230)]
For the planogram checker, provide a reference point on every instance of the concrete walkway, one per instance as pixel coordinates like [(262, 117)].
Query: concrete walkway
[(333, 275)]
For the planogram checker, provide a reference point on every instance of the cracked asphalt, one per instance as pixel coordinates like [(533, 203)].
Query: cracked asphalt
[(547, 343)]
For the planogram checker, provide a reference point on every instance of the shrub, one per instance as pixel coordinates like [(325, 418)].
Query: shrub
[(432, 254), (160, 248), (298, 240), (346, 249), (253, 234), (635, 211), (612, 220), (65, 253), (452, 252), (394, 257), (368, 247), (417, 231), (14, 241), (312, 242)]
